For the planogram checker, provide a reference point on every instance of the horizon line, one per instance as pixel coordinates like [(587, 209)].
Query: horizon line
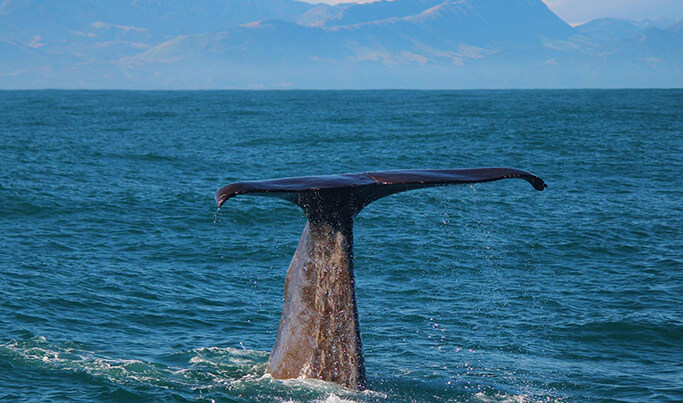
[(336, 89)]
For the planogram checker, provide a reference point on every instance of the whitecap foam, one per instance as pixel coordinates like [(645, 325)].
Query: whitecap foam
[(208, 370), (507, 398)]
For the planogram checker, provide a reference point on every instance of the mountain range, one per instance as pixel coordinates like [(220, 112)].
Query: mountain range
[(178, 44)]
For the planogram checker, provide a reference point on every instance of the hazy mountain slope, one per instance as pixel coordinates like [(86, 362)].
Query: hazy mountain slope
[(676, 27), (473, 20), (650, 45), (65, 34), (350, 14), (452, 32), (608, 29), (492, 21), (55, 20), (261, 42), (16, 57), (284, 43)]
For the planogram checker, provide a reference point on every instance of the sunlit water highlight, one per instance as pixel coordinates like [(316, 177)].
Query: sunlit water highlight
[(119, 281)]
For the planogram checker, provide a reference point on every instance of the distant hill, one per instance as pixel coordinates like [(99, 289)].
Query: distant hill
[(291, 44), (676, 27), (167, 18), (608, 29), (351, 14)]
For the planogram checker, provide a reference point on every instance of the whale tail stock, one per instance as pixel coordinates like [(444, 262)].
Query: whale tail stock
[(319, 334)]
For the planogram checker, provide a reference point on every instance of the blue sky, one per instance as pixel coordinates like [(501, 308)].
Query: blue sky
[(578, 11)]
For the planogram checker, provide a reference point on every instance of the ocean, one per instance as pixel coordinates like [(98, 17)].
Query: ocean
[(120, 280)]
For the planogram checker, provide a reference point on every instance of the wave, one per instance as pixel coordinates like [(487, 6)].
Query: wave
[(204, 374), (207, 373), (225, 364)]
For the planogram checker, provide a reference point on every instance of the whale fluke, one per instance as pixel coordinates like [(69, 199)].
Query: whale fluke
[(370, 186), (319, 334)]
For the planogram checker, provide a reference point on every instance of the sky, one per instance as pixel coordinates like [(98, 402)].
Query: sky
[(580, 11)]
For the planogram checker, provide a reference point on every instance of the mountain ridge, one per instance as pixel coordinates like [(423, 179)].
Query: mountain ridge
[(397, 44)]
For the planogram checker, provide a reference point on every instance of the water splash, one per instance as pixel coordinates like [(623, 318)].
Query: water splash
[(209, 373)]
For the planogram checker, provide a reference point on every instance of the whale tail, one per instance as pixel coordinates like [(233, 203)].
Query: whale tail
[(352, 192), (319, 333)]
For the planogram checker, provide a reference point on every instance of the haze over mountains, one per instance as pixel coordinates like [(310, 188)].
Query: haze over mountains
[(289, 44)]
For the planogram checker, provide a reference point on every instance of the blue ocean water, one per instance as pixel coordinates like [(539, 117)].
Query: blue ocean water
[(119, 281)]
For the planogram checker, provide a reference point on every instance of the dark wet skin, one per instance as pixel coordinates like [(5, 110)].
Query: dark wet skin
[(319, 334)]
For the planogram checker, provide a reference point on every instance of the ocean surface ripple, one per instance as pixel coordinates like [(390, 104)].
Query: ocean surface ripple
[(119, 281)]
